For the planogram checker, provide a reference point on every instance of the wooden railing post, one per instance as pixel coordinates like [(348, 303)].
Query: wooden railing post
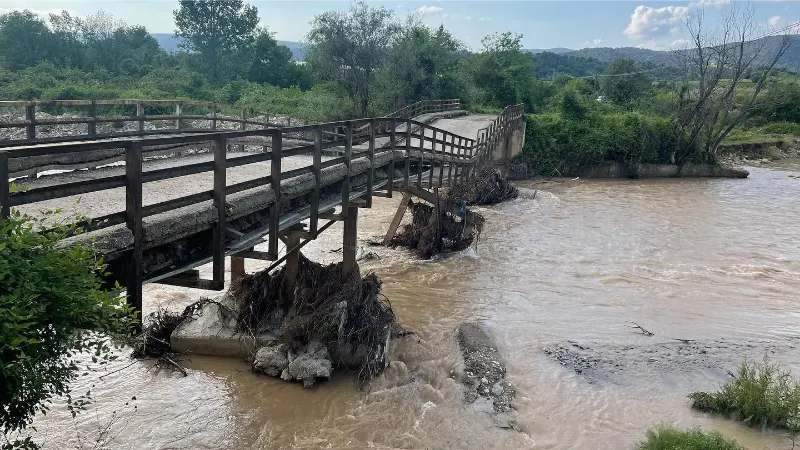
[(179, 113), (407, 173), (218, 244), (5, 195), (91, 125), (348, 156), (133, 220), (275, 181), (421, 155), (433, 159), (314, 220), (140, 116), (393, 149), (441, 163), (371, 157), (30, 119), (243, 126), (214, 116)]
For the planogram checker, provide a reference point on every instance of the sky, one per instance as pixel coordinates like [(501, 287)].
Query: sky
[(543, 24)]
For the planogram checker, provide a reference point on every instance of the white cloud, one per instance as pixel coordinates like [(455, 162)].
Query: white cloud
[(648, 23), (468, 18), (484, 19), (774, 21), (425, 9), (45, 13), (594, 43)]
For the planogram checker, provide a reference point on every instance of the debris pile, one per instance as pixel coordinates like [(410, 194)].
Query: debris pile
[(326, 319), (486, 187), (428, 235)]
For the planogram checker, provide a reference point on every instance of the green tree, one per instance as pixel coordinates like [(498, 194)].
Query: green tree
[(623, 81), (272, 63), (504, 72), (351, 47), (25, 40), (54, 310), (217, 31), (423, 65)]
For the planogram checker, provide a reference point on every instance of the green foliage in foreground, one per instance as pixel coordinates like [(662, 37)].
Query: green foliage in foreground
[(53, 308), (760, 395), (669, 438)]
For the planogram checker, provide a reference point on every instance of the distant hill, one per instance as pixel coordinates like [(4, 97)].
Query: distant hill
[(172, 44), (790, 60), (557, 50)]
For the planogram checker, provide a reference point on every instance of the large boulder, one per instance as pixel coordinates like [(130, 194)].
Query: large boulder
[(271, 360), (311, 362)]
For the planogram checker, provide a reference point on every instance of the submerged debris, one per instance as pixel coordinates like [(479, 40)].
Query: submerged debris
[(325, 316), (428, 235), (487, 187), (484, 371)]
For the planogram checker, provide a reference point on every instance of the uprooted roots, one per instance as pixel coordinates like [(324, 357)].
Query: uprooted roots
[(428, 235), (347, 314), (487, 187)]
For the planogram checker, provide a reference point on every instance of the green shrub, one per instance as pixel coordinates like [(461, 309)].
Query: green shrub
[(669, 438), (760, 395), (54, 310), (583, 135), (781, 128)]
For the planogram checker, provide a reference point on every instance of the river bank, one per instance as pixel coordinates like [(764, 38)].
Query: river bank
[(572, 262)]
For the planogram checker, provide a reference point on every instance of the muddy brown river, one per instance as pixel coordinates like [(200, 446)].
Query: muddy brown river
[(558, 277)]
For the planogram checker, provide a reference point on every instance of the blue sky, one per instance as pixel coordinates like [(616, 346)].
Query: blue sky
[(544, 24)]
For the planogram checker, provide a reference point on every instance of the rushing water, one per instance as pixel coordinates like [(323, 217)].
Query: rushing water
[(712, 260)]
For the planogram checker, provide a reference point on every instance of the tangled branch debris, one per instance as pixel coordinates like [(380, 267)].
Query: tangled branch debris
[(347, 314), (487, 187), (428, 235), (153, 342)]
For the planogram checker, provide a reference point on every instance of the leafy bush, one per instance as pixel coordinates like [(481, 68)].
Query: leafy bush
[(53, 308), (669, 438), (581, 136), (760, 395), (781, 128)]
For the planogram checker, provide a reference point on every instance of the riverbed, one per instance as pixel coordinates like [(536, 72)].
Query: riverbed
[(710, 266)]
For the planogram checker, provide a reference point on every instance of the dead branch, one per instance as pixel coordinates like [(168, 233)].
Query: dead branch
[(644, 332)]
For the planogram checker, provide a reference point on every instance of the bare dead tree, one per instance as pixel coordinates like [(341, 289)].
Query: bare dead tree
[(711, 99)]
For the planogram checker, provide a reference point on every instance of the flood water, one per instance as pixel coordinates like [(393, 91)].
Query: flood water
[(717, 261)]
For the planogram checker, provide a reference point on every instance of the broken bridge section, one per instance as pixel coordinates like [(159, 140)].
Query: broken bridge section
[(156, 220)]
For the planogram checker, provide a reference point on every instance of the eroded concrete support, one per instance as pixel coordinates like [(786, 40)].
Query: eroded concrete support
[(350, 241)]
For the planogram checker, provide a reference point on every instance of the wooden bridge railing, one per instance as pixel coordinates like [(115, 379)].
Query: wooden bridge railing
[(426, 157), (493, 135), (168, 117), (425, 107)]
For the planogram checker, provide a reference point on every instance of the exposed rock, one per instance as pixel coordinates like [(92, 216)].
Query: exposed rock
[(271, 360), (311, 362), (484, 375)]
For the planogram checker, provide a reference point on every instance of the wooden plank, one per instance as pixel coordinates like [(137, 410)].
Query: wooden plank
[(349, 242), (5, 195), (91, 125), (177, 171), (393, 147), (371, 157), (292, 262), (214, 116), (243, 127), (398, 217), (133, 219), (275, 209), (348, 156), (237, 269), (433, 160), (140, 115), (169, 205), (249, 184), (218, 244), (179, 114), (252, 254), (67, 189), (30, 119), (317, 169), (441, 162), (407, 172)]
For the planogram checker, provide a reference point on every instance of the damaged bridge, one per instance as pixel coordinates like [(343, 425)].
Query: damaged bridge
[(158, 204)]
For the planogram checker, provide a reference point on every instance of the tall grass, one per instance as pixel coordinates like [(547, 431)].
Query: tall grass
[(670, 438), (761, 394)]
